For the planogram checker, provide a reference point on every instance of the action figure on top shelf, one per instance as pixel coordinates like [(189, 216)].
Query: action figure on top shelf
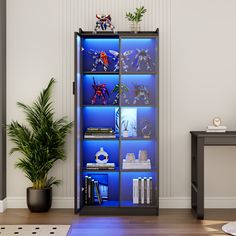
[(120, 89), (103, 22), (142, 59), (100, 91), (141, 94)]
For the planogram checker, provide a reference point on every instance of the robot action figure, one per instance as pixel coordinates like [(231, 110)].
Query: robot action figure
[(103, 22), (141, 93), (102, 58), (142, 58), (120, 89), (123, 59), (100, 90)]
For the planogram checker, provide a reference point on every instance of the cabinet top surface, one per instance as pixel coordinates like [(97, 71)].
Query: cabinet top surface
[(213, 134), (119, 33)]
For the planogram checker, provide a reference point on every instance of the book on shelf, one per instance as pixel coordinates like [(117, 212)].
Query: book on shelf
[(99, 133), (99, 136), (100, 166), (92, 191), (217, 129), (99, 129), (135, 191), (136, 164), (86, 190), (142, 190)]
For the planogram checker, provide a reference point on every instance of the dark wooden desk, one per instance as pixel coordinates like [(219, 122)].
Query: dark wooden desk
[(199, 139)]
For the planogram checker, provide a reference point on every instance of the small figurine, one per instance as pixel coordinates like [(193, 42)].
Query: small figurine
[(125, 124), (100, 90), (142, 58), (120, 89), (141, 93), (101, 57), (103, 22), (146, 130), (123, 59)]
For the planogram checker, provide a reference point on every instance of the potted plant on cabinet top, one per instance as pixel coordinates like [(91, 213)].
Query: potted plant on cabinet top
[(136, 18), (40, 144)]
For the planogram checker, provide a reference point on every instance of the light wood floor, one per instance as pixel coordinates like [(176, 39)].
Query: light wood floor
[(169, 222)]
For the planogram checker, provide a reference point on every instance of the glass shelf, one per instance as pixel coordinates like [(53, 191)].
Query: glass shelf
[(100, 72), (104, 204)]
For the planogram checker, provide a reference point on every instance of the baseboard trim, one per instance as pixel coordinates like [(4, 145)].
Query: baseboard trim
[(175, 202), (168, 203), (57, 202), (220, 202), (3, 205)]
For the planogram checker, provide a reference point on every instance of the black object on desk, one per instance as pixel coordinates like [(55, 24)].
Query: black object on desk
[(199, 139)]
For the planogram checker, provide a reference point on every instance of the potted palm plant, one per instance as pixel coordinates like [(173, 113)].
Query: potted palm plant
[(40, 144)]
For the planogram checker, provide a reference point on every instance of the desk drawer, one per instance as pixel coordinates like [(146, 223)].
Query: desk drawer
[(220, 141)]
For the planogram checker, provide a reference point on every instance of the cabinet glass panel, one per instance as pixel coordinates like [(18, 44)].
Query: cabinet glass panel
[(91, 149), (138, 55), (106, 194), (139, 155), (100, 55), (138, 189), (137, 122), (138, 90), (98, 117), (98, 89)]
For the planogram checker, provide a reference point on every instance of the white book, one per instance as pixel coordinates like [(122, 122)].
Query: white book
[(150, 179), (135, 191), (148, 191), (145, 190), (215, 131), (142, 191), (216, 127)]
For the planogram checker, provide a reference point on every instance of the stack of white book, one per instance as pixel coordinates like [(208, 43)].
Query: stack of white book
[(218, 129), (142, 190), (136, 164)]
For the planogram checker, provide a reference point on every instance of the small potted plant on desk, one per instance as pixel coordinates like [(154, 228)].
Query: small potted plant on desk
[(40, 145)]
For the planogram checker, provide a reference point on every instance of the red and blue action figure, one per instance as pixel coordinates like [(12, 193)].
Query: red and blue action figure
[(100, 91)]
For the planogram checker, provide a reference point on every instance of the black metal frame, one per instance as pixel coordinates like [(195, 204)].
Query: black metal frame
[(98, 210)]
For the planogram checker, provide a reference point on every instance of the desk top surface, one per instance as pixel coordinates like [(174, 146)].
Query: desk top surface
[(213, 134)]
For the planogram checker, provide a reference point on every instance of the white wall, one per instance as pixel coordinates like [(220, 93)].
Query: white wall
[(197, 53)]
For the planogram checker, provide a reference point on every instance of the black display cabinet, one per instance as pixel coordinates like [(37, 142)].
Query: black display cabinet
[(117, 114)]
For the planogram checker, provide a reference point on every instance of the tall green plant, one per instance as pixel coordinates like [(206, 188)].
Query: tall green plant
[(41, 143), (137, 15)]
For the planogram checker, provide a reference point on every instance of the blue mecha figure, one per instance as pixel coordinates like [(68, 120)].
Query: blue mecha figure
[(141, 94)]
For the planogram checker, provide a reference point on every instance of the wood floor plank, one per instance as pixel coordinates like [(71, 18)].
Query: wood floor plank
[(170, 222)]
